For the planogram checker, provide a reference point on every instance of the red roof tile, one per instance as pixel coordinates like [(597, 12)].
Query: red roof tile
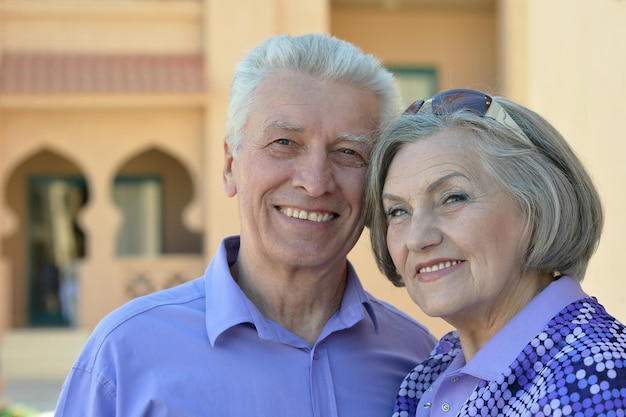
[(44, 73)]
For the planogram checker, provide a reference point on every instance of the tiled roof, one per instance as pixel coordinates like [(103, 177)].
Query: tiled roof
[(45, 73)]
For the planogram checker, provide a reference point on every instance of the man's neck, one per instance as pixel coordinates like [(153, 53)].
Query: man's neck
[(300, 301)]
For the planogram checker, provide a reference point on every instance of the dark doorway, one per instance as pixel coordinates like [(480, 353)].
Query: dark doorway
[(54, 244)]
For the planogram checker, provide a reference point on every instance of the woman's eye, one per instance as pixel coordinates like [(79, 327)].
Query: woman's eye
[(455, 198), (394, 212)]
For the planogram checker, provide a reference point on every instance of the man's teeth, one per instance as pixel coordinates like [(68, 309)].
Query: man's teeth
[(305, 215), (440, 265)]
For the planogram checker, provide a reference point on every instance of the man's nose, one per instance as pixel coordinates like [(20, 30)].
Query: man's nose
[(314, 173)]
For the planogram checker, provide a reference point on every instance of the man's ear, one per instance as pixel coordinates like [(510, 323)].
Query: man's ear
[(230, 186)]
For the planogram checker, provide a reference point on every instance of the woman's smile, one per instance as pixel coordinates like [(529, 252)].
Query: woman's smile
[(436, 269)]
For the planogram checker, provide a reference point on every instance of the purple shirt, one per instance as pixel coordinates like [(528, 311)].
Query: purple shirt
[(203, 349)]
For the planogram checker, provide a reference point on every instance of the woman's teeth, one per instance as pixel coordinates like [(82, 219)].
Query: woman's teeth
[(437, 267)]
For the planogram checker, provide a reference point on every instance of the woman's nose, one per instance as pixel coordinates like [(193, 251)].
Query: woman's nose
[(423, 233)]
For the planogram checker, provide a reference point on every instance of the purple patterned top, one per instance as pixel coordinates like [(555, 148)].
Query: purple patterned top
[(576, 366)]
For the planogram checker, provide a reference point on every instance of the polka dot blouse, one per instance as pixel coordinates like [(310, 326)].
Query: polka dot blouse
[(574, 366)]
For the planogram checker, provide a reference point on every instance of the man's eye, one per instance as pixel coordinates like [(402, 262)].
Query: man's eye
[(349, 158), (283, 148), (283, 141)]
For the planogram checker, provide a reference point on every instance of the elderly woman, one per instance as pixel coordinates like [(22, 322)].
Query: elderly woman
[(481, 209)]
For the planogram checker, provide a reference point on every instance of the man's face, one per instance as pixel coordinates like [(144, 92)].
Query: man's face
[(300, 172)]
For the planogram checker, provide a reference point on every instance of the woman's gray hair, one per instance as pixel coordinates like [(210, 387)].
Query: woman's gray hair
[(319, 55), (563, 211)]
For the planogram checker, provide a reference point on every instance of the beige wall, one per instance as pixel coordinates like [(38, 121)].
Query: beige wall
[(576, 77), (114, 27), (459, 44)]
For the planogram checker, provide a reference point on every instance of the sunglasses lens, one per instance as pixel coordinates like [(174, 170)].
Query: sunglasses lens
[(456, 100), (415, 107)]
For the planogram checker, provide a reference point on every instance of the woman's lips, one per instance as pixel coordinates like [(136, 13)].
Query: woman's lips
[(436, 269)]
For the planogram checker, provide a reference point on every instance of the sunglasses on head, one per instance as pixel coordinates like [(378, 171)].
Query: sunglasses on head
[(452, 101)]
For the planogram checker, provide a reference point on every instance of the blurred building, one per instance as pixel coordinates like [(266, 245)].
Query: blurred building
[(112, 117)]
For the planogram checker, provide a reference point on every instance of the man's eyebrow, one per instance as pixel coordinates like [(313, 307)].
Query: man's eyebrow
[(354, 138), (278, 124), (284, 125)]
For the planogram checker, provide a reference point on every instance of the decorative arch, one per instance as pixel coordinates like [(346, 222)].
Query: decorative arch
[(46, 192), (152, 190)]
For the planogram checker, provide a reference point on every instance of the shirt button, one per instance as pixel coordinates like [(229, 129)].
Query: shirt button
[(454, 379), (445, 407), (428, 405), (430, 388)]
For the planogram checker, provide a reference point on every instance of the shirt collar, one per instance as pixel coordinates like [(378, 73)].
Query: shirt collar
[(502, 349), (354, 304), (227, 306)]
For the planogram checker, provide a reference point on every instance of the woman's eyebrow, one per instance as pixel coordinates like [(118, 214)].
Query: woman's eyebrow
[(440, 181), (390, 197), (432, 187)]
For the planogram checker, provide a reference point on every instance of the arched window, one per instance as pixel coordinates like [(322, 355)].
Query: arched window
[(152, 189)]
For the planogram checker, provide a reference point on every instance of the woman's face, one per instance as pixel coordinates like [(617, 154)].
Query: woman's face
[(454, 236)]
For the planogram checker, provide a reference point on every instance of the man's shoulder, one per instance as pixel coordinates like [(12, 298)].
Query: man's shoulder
[(390, 316), (389, 309), (156, 308)]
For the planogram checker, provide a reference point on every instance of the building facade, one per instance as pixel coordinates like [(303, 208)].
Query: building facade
[(112, 118)]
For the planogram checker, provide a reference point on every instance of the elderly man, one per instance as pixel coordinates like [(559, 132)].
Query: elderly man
[(279, 325)]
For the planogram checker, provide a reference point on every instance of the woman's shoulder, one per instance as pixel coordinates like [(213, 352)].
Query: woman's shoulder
[(586, 322), (583, 339)]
